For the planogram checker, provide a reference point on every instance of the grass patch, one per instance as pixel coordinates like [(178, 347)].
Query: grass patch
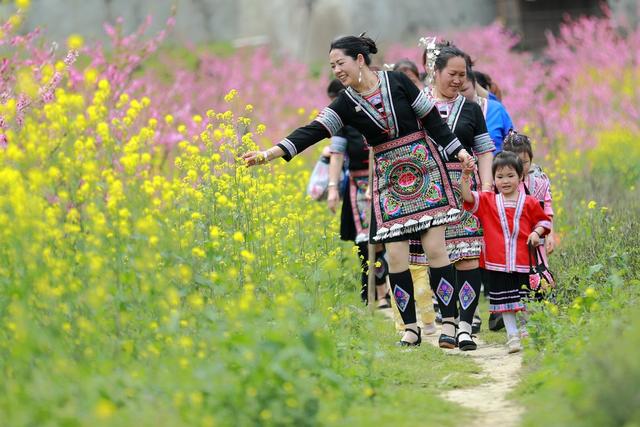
[(406, 383), (582, 368)]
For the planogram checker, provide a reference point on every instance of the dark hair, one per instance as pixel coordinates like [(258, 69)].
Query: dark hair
[(507, 159), (446, 53), (470, 63), (471, 76), (334, 88), (487, 82), (517, 143), (483, 79), (406, 64), (354, 46)]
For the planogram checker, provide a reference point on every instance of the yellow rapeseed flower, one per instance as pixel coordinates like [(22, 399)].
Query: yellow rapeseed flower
[(265, 414), (75, 41), (185, 273), (592, 204), (214, 232), (105, 408), (23, 4), (229, 96), (104, 85), (248, 256), (238, 236), (16, 20), (369, 392), (198, 252)]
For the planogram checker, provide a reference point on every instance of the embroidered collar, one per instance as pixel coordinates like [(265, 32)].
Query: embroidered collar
[(510, 238), (385, 120), (454, 107), (454, 113)]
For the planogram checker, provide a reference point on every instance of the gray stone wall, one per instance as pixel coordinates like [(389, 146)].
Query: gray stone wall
[(302, 28)]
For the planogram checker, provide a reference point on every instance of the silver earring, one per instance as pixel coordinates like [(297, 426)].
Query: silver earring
[(360, 76)]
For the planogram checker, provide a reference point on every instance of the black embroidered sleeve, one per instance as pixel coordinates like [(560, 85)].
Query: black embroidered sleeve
[(420, 103), (325, 125), (302, 138), (429, 116), (441, 134)]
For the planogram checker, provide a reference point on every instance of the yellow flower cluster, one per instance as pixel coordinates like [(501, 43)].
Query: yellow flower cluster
[(116, 248)]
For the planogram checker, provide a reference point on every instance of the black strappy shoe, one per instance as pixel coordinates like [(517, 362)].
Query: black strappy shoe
[(466, 345), (383, 306), (447, 341), (403, 343)]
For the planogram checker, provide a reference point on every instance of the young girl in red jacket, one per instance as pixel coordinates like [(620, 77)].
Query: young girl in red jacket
[(511, 221)]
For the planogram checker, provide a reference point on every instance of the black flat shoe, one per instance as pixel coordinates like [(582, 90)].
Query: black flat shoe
[(495, 322), (476, 325), (466, 344), (447, 341), (403, 343)]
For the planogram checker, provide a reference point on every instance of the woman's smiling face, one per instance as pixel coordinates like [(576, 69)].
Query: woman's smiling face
[(449, 80), (345, 68)]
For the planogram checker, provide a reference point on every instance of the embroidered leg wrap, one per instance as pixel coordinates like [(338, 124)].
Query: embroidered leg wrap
[(442, 282), (363, 255), (402, 288), (468, 293)]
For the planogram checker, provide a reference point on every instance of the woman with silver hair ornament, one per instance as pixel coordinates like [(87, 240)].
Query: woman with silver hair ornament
[(447, 67)]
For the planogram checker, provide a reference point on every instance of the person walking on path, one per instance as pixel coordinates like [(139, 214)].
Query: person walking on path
[(354, 225), (411, 192), (450, 67), (512, 220)]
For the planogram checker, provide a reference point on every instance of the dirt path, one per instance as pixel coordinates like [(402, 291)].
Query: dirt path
[(489, 399)]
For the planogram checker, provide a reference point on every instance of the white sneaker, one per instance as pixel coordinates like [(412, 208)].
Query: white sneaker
[(514, 345)]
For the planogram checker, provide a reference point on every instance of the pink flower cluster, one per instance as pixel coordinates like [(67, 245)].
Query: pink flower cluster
[(582, 83), (282, 93)]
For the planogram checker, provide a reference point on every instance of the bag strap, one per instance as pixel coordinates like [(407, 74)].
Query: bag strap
[(541, 259), (532, 255)]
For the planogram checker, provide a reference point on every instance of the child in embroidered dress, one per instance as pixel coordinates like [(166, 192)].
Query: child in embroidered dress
[(535, 180), (536, 183), (511, 221)]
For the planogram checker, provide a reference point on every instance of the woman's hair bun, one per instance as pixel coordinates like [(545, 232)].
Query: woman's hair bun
[(371, 45)]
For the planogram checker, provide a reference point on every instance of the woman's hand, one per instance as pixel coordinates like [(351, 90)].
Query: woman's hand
[(253, 158), (533, 239), (367, 194), (466, 159), (467, 171), (332, 198), (549, 243)]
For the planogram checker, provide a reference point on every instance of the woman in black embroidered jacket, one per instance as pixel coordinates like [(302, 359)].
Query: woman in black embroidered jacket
[(411, 193), (450, 67), (349, 145)]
